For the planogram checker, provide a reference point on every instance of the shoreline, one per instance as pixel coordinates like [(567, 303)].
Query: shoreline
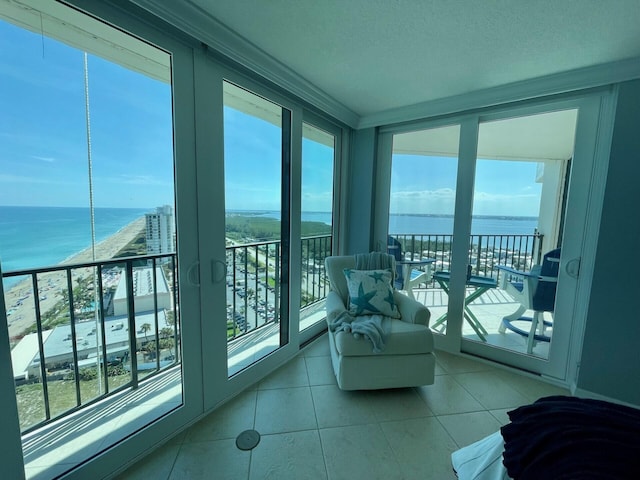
[(19, 300)]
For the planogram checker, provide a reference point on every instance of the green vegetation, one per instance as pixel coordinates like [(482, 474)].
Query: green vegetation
[(434, 245), (257, 228), (231, 330), (62, 395), (136, 247)]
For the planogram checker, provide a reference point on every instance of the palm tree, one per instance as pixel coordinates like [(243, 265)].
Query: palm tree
[(144, 328)]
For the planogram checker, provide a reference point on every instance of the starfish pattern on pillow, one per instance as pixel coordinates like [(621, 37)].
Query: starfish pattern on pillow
[(362, 303), (371, 292)]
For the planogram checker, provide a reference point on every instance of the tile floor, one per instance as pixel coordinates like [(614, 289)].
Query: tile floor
[(312, 430)]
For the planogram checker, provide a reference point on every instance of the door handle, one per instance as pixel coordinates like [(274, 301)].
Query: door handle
[(193, 274), (573, 267), (221, 277)]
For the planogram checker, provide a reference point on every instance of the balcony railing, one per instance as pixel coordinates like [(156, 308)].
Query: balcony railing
[(253, 286), (108, 325), (134, 333), (116, 322), (485, 251)]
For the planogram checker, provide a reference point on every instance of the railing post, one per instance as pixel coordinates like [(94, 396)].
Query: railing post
[(540, 237), (74, 340), (43, 365), (133, 341), (478, 254), (155, 311), (102, 331)]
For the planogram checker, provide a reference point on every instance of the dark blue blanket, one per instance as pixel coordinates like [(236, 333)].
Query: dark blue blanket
[(572, 438)]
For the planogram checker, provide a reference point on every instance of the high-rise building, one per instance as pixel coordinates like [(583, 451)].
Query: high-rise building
[(160, 231)]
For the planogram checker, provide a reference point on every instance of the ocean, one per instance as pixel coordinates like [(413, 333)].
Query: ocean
[(430, 224), (32, 237)]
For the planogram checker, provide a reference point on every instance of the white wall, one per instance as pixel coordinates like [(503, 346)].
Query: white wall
[(610, 363), (361, 192)]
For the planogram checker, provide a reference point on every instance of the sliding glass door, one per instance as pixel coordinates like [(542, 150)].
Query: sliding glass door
[(87, 233), (265, 194), (422, 202), (320, 147), (257, 156), (502, 262), (519, 200)]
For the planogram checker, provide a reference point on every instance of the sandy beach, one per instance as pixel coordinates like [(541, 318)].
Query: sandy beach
[(19, 299)]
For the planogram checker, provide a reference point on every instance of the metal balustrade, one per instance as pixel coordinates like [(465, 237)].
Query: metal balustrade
[(485, 251), (107, 331), (253, 282), (89, 298)]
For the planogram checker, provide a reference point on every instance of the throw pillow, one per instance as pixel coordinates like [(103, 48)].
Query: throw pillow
[(370, 292)]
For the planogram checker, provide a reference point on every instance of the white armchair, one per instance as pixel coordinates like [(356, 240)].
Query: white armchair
[(407, 360)]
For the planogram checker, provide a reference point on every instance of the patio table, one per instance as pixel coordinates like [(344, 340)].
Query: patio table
[(408, 270), (481, 285)]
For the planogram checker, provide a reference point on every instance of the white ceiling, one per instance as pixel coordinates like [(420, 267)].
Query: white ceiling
[(545, 136), (377, 55)]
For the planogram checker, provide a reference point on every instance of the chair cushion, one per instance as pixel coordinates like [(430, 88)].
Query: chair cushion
[(370, 292), (403, 339)]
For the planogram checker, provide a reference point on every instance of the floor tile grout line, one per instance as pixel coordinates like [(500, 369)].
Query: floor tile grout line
[(315, 414), (390, 444), (483, 408), (469, 392), (175, 459), (505, 382), (447, 431)]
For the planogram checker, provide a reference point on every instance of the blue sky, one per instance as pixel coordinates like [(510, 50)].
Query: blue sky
[(43, 152), (43, 158), (423, 184)]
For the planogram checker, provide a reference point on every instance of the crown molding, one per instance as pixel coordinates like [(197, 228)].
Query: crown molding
[(573, 80), (194, 21)]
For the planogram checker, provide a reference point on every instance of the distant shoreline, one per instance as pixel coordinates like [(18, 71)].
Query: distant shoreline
[(18, 298), (434, 215)]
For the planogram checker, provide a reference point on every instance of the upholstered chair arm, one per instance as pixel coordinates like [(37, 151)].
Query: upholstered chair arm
[(410, 310), (334, 306)]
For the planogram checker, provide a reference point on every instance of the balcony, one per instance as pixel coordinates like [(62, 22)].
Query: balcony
[(95, 353), (86, 376), (486, 252), (137, 332)]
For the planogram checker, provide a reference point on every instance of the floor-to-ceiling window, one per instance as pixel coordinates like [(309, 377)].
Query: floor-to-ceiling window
[(87, 233), (129, 318), (421, 210), (256, 186), (319, 151), (510, 197)]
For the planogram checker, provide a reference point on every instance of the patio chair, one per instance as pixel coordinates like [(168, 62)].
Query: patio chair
[(536, 291), (408, 277), (407, 359)]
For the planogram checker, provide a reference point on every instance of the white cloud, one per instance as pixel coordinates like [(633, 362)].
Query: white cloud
[(126, 179), (442, 202), (44, 159)]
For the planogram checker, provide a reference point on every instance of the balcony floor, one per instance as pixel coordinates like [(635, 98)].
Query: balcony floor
[(490, 308), (63, 444)]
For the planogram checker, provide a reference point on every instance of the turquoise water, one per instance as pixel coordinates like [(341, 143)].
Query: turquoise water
[(32, 237)]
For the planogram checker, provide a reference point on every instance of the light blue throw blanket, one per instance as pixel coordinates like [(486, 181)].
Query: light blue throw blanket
[(374, 261), (375, 328)]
